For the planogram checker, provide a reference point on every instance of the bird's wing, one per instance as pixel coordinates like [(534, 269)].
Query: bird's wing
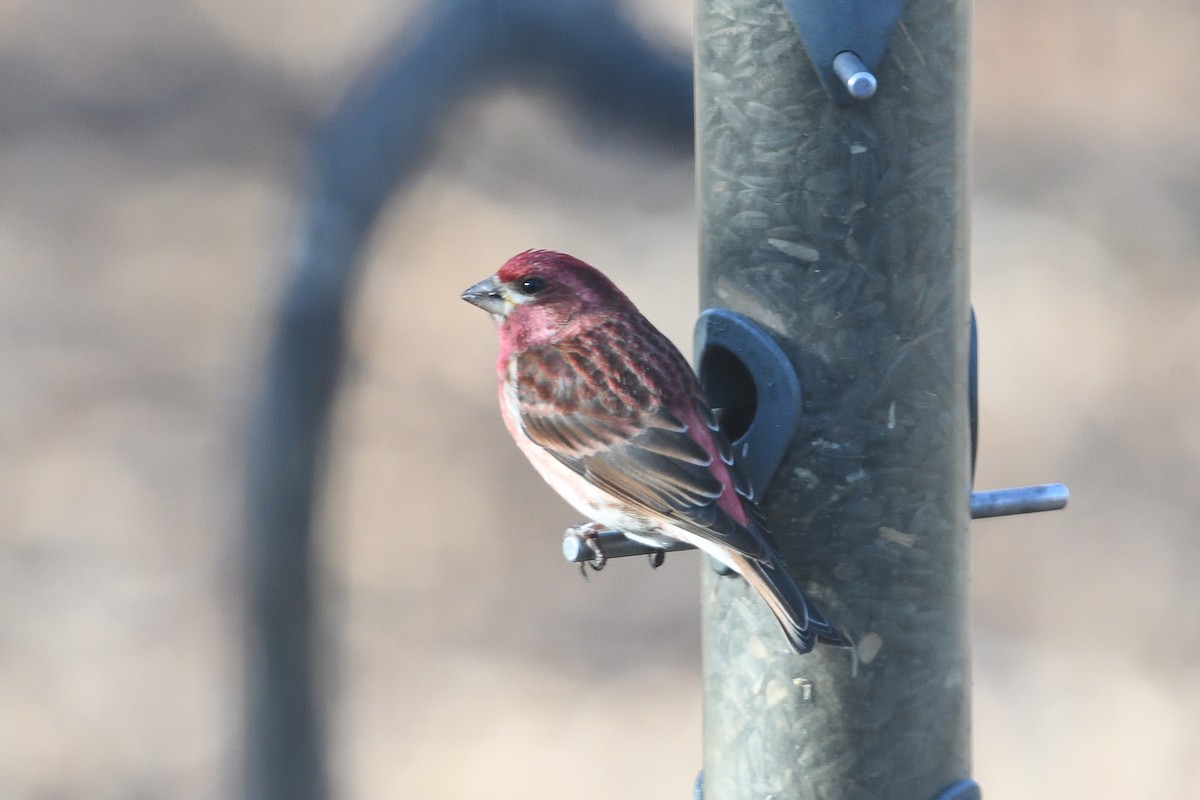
[(639, 452)]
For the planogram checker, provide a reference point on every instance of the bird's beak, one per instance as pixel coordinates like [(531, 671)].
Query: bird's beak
[(487, 295)]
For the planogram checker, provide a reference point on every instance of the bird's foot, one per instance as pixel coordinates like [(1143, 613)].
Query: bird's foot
[(656, 558), (590, 534)]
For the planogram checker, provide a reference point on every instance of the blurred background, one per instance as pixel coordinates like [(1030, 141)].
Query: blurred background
[(149, 161)]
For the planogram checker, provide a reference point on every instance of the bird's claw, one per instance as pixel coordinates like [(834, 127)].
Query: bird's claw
[(590, 534)]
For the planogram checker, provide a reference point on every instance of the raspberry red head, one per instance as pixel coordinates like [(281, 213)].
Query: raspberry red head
[(541, 295), (556, 277)]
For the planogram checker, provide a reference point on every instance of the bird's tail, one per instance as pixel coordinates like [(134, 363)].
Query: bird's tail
[(802, 622)]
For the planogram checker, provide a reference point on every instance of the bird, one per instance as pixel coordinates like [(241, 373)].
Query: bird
[(611, 415)]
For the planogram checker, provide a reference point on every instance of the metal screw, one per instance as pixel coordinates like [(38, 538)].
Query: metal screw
[(854, 75)]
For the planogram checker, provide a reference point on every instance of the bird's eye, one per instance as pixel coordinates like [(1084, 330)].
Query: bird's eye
[(531, 285)]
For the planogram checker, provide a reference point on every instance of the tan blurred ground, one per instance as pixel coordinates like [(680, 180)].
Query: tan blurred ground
[(145, 170)]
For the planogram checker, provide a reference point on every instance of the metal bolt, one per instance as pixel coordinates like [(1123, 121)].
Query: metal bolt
[(613, 543), (854, 75), (1021, 500), (994, 503)]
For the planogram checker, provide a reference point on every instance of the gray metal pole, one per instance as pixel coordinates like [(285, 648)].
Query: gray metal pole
[(843, 231)]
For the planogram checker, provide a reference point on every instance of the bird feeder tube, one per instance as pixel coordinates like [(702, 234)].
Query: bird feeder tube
[(842, 230)]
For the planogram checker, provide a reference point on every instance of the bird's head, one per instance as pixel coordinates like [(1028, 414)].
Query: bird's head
[(540, 295)]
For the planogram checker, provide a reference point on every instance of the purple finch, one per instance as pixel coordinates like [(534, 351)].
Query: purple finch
[(610, 414)]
